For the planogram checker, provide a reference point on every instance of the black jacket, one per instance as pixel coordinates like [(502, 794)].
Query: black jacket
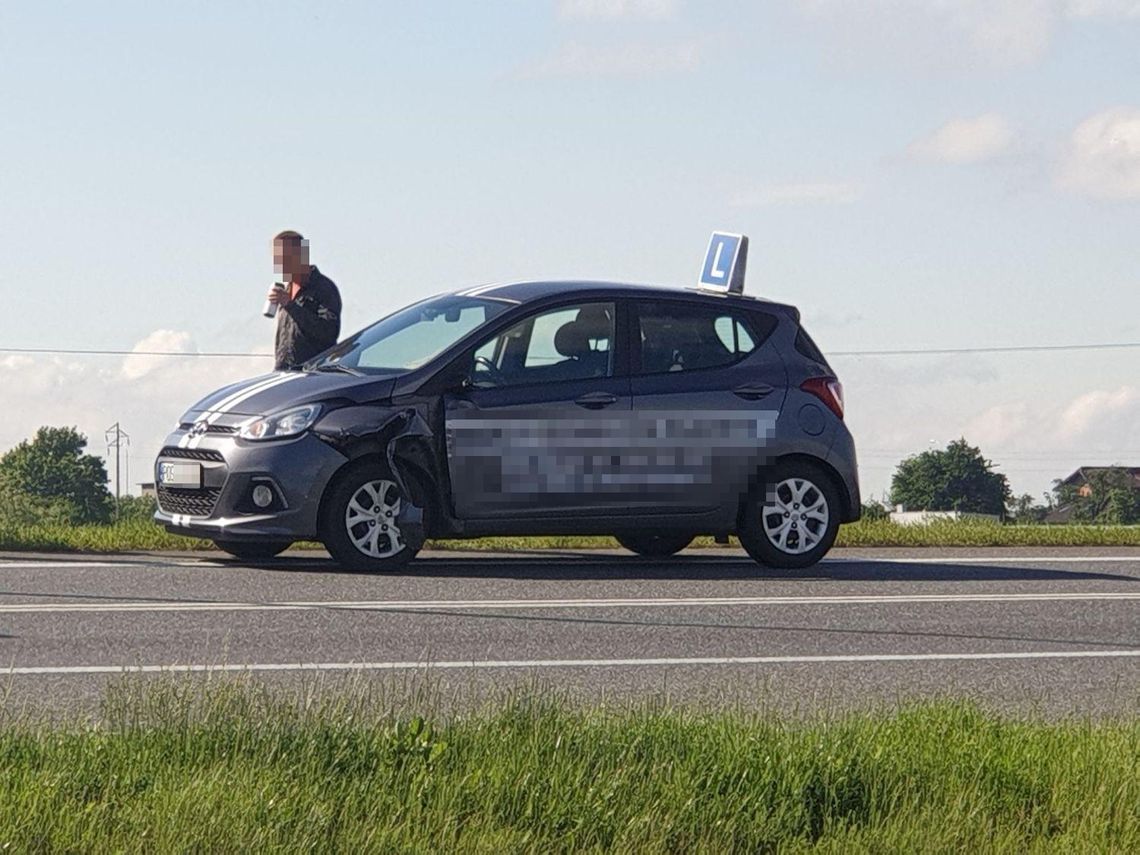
[(309, 324)]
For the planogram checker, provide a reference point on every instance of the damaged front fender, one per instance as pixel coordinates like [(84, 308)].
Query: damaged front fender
[(367, 431)]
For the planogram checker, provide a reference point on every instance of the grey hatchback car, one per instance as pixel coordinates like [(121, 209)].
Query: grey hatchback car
[(652, 414)]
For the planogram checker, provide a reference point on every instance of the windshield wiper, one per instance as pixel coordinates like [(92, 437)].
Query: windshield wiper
[(333, 367)]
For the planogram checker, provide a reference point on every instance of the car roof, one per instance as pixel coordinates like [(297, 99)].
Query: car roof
[(528, 291)]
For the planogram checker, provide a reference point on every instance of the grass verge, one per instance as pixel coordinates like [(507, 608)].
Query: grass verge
[(147, 536), (237, 767)]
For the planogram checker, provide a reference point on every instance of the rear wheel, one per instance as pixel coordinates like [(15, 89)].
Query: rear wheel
[(792, 521), (655, 545), (253, 551), (361, 527)]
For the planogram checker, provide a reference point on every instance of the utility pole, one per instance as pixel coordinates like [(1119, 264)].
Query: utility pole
[(116, 438)]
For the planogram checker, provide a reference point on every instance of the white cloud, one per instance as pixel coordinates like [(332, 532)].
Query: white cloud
[(144, 394), (627, 59), (966, 140), (159, 341), (820, 192), (1101, 414), (1103, 156), (610, 10), (938, 32), (1103, 8), (1005, 31), (1001, 425), (954, 33), (1033, 440)]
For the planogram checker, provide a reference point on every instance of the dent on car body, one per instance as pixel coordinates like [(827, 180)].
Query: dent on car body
[(379, 429)]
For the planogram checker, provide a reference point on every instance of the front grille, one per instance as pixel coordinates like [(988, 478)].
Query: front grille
[(195, 503), (192, 454), (226, 429)]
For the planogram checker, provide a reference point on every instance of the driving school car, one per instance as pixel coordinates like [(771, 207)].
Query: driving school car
[(649, 413)]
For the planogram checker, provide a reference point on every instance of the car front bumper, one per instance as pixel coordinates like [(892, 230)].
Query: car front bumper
[(296, 470)]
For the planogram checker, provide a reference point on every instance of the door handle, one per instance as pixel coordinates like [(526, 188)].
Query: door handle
[(753, 391), (596, 400)]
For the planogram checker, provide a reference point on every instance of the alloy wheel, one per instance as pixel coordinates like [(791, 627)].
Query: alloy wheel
[(795, 516), (370, 519)]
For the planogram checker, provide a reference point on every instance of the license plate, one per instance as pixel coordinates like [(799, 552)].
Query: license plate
[(185, 475)]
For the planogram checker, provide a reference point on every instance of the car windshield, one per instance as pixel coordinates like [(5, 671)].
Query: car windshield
[(411, 337)]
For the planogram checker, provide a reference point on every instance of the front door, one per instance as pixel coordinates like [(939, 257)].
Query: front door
[(532, 433)]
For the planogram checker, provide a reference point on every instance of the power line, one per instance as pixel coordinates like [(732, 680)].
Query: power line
[(935, 351), (1029, 348), (1047, 454), (94, 352)]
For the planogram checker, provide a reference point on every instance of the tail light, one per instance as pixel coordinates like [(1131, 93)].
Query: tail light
[(827, 389)]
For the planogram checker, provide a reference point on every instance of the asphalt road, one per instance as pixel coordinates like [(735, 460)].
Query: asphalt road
[(1055, 632)]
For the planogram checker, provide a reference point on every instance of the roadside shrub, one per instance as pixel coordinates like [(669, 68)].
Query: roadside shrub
[(136, 508)]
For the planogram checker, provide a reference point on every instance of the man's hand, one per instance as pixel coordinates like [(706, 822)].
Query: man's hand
[(278, 296)]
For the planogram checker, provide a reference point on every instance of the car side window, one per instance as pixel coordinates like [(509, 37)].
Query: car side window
[(685, 337), (567, 343)]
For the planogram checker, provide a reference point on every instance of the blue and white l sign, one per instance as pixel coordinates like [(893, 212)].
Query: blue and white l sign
[(725, 262)]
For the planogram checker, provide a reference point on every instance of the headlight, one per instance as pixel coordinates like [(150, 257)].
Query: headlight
[(286, 423)]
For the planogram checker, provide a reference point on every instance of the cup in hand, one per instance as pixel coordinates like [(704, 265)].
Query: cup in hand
[(270, 309)]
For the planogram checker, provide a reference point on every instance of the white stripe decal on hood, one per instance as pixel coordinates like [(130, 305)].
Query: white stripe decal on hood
[(240, 397), (185, 441)]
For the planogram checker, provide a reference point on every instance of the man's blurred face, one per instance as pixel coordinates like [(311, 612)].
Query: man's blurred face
[(290, 260)]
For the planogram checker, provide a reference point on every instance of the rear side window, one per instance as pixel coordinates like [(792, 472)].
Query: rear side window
[(688, 337), (808, 348)]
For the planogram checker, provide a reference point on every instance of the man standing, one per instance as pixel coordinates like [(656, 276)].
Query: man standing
[(309, 317)]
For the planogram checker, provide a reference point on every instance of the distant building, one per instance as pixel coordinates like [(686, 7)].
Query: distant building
[(1081, 480), (905, 517)]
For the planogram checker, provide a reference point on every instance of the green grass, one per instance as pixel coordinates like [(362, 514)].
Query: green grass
[(119, 537), (145, 535), (969, 533), (236, 767)]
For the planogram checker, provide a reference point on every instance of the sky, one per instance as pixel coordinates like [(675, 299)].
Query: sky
[(913, 174)]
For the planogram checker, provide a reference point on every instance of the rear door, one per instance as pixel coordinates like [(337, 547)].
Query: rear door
[(707, 385), (532, 432)]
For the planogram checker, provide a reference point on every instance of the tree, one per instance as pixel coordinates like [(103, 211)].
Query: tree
[(957, 478), (874, 510), (18, 508), (1025, 510), (54, 478), (1110, 498)]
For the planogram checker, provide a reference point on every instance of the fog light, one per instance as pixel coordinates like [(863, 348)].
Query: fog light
[(262, 496)]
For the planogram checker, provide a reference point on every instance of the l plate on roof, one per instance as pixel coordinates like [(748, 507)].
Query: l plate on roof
[(725, 263)]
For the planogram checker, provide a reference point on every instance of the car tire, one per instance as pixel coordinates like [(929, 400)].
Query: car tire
[(359, 521), (654, 545), (769, 530), (253, 551)]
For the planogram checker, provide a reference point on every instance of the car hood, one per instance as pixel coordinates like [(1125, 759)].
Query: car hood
[(280, 390)]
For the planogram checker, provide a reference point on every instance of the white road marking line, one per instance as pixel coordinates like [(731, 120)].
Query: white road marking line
[(977, 559), (148, 564), (459, 664), (206, 562), (529, 605)]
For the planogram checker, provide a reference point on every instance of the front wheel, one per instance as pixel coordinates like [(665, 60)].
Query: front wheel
[(254, 551), (792, 520), (361, 525), (654, 545)]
